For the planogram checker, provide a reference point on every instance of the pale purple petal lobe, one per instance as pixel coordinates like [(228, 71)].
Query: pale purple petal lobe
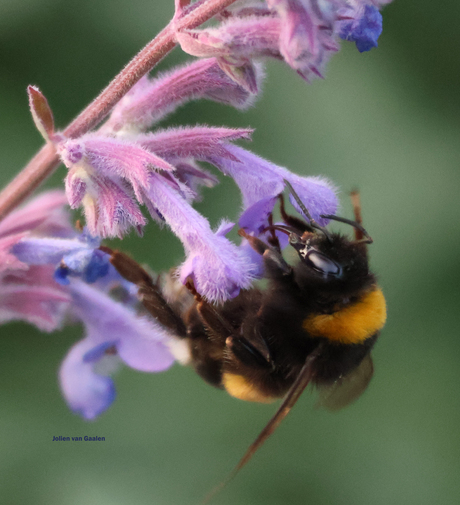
[(86, 392)]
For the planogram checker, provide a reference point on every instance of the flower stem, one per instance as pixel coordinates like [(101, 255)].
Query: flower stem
[(43, 164)]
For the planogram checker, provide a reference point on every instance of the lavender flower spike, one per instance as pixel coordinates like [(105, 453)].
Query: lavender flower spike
[(113, 331), (111, 177)]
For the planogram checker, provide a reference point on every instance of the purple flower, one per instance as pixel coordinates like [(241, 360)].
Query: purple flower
[(362, 26), (32, 295), (302, 32), (29, 293), (151, 100), (235, 44), (113, 331), (76, 257), (111, 177), (307, 37), (218, 268), (294, 35), (260, 181), (107, 176)]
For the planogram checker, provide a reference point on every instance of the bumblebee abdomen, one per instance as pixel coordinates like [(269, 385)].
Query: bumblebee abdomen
[(243, 388), (352, 324)]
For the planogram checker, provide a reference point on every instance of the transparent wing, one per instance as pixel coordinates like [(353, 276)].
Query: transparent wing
[(347, 389)]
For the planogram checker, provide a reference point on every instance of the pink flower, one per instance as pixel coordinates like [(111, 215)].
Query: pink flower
[(107, 176), (29, 293), (151, 100), (302, 32)]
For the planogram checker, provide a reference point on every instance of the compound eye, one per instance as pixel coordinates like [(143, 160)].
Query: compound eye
[(322, 263)]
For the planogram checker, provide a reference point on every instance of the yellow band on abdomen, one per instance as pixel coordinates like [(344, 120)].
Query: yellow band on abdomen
[(239, 387), (352, 324)]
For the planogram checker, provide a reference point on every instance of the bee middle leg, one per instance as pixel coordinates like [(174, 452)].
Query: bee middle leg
[(218, 327)]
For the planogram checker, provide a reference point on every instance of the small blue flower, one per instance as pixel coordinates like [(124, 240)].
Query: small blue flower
[(364, 29), (76, 257), (90, 265)]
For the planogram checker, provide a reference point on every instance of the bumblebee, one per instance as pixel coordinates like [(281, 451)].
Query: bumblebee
[(315, 322)]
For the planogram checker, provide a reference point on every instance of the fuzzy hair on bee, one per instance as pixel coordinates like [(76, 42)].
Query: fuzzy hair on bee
[(315, 323)]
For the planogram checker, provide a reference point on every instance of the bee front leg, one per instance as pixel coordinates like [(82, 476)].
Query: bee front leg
[(296, 223), (273, 239), (273, 258)]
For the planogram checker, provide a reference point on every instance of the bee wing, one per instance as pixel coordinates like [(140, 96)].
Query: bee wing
[(347, 389)]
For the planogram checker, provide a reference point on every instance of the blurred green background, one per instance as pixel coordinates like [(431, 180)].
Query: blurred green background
[(386, 121)]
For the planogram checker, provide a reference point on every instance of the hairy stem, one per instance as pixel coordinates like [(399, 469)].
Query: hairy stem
[(43, 164)]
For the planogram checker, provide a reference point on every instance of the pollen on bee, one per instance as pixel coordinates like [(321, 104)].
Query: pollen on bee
[(352, 324)]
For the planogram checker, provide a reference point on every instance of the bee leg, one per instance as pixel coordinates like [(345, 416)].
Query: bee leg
[(273, 239), (250, 352), (296, 223), (149, 293), (273, 258), (211, 318)]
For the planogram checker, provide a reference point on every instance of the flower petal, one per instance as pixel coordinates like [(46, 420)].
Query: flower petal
[(259, 179), (364, 27), (218, 268), (140, 342), (199, 142), (150, 101), (86, 392), (43, 214), (33, 296)]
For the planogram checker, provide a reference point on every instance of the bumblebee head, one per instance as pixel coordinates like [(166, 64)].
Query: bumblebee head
[(331, 260)]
